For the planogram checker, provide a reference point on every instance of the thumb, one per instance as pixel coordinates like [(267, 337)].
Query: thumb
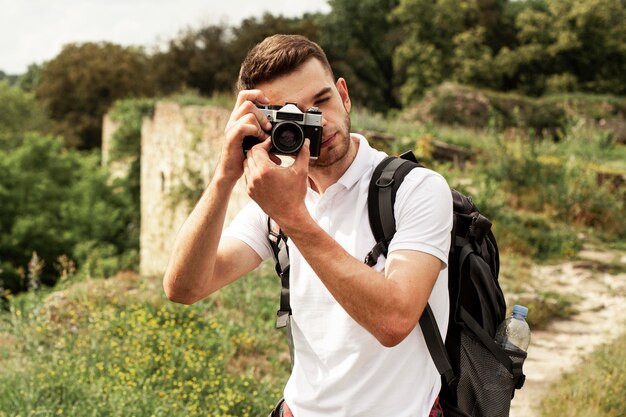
[(266, 144), (302, 159)]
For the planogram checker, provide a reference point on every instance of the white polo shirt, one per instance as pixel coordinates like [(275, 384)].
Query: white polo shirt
[(340, 369)]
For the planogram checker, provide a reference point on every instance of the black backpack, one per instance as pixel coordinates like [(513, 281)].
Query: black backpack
[(479, 378)]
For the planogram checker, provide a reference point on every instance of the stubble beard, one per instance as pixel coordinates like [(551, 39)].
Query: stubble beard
[(335, 154)]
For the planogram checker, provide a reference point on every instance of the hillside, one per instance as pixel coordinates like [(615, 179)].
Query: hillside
[(556, 203), (119, 344)]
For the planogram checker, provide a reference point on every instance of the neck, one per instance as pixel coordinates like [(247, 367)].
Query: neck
[(321, 178)]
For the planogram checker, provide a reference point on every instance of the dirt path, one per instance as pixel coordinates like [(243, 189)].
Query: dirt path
[(565, 343)]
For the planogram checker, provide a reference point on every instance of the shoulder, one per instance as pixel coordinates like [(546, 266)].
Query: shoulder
[(426, 178), (251, 226), (424, 190)]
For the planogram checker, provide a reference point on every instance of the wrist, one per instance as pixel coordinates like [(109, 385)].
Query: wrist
[(224, 178), (297, 224)]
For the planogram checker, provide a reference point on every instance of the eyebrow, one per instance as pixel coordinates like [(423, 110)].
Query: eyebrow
[(322, 92)]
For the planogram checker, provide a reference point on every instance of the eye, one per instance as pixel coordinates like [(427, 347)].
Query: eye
[(322, 101)]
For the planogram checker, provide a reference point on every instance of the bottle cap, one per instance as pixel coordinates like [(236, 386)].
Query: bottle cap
[(521, 310)]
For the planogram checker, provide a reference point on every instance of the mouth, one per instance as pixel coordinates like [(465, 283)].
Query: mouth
[(327, 141)]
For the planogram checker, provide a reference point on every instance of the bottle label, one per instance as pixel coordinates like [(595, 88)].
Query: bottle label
[(511, 347)]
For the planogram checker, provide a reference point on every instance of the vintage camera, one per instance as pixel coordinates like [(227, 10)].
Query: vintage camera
[(290, 127)]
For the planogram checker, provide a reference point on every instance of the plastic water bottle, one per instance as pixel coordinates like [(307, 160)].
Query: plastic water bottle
[(513, 333)]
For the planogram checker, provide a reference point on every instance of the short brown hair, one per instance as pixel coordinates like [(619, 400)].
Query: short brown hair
[(275, 56)]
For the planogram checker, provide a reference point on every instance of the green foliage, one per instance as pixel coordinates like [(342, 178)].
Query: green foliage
[(533, 47), (29, 80), (19, 112), (207, 60), (97, 349), (52, 199), (446, 40), (129, 115), (550, 116), (568, 189), (8, 78), (253, 30), (199, 59), (83, 80), (541, 195), (126, 147), (359, 41), (102, 259), (566, 46)]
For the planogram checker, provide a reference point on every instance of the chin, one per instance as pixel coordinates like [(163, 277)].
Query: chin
[(332, 155)]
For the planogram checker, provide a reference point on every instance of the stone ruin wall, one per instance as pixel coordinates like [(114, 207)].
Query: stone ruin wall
[(180, 147)]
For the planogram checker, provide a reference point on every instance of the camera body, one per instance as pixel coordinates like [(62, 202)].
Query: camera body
[(290, 127)]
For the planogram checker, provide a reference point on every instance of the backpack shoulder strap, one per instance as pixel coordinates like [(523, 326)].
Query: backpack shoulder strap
[(278, 242), (384, 185)]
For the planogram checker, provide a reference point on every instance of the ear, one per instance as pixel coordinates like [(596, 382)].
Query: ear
[(342, 87)]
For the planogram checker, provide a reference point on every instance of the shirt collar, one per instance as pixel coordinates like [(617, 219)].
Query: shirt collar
[(362, 162)]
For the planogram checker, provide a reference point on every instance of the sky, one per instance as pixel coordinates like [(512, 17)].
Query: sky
[(34, 31)]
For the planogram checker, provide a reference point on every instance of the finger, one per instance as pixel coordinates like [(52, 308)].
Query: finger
[(303, 157), (248, 125), (266, 144), (275, 159), (241, 130), (251, 95), (248, 111), (258, 155), (247, 101)]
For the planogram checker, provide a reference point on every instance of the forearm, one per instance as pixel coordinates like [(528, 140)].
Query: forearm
[(189, 275), (387, 307)]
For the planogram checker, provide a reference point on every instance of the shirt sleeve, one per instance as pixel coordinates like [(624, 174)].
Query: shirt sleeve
[(423, 211), (250, 226)]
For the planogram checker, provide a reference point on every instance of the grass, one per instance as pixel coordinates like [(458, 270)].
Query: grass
[(595, 388), (116, 347)]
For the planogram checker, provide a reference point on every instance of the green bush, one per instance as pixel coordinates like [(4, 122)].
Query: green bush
[(129, 115), (19, 112), (461, 105), (116, 347), (143, 360), (99, 260), (52, 199)]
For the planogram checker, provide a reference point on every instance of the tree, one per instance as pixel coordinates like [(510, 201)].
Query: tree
[(55, 201), (30, 79), (253, 30), (198, 59), (450, 40), (80, 84), (19, 112), (207, 60), (11, 79), (359, 40), (588, 41)]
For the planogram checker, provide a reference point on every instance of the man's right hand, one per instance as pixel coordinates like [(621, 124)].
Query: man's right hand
[(246, 119)]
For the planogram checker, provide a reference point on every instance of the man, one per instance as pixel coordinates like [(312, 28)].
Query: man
[(358, 348)]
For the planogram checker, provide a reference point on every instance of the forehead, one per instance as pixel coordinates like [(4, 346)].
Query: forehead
[(300, 86)]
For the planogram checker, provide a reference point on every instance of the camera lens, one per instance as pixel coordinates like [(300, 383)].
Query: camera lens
[(287, 137)]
